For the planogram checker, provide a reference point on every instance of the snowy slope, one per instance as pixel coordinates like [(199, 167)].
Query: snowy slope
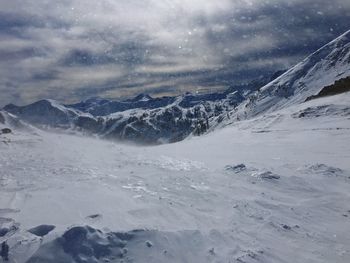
[(10, 121), (320, 69), (271, 189)]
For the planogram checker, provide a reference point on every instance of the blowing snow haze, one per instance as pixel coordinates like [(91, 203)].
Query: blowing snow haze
[(175, 131), (72, 50)]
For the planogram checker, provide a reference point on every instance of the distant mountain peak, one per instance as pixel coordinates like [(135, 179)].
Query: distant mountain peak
[(142, 97)]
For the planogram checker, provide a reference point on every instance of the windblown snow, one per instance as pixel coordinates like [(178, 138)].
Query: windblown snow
[(271, 189), (270, 186)]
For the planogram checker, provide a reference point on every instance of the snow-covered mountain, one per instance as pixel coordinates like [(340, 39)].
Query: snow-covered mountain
[(45, 112), (169, 119), (141, 119), (322, 68), (101, 107)]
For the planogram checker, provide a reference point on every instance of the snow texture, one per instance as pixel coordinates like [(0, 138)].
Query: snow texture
[(270, 188)]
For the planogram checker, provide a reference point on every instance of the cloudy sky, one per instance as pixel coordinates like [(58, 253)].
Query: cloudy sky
[(74, 49)]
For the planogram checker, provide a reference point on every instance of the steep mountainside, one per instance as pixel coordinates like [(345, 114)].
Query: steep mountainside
[(169, 119), (322, 68)]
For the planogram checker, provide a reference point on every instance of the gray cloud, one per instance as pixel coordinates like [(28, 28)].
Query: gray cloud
[(70, 50)]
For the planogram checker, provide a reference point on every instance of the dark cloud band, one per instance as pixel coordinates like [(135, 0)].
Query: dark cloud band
[(70, 50)]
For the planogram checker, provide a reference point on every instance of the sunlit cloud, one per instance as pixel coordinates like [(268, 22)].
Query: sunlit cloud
[(74, 49)]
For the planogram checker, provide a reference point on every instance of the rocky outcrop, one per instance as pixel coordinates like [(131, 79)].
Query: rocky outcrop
[(2, 118), (5, 131), (340, 86)]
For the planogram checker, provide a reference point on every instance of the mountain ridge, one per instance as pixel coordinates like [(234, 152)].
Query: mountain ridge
[(170, 119)]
